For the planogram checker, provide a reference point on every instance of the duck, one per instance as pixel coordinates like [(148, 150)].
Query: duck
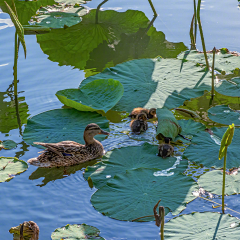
[(67, 153), (165, 149), (139, 124), (151, 113)]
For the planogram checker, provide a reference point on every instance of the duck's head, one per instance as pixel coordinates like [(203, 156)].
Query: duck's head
[(167, 140), (142, 116), (93, 129), (152, 112)]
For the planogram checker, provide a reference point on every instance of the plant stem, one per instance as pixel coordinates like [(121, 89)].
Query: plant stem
[(213, 62), (201, 33), (98, 8), (151, 4), (15, 63), (162, 214), (193, 41), (224, 174), (195, 16)]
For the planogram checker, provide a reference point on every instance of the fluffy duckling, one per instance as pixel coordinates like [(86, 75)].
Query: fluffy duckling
[(139, 125), (151, 113), (69, 153), (165, 149)]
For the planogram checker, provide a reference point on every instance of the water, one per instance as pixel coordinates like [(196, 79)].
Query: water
[(54, 198)]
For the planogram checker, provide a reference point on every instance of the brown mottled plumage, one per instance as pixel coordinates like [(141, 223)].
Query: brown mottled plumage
[(165, 149), (69, 153), (151, 113), (139, 125)]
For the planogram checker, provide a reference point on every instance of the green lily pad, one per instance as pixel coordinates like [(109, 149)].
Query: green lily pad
[(61, 125), (10, 166), (134, 194), (71, 2), (76, 232), (224, 115), (167, 124), (7, 144), (203, 226), (121, 160), (101, 94), (223, 62), (212, 182), (149, 82), (190, 127), (205, 149), (229, 88)]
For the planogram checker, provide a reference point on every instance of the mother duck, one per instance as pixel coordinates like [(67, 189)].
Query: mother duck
[(69, 153)]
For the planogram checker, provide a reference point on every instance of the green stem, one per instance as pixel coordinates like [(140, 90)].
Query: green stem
[(162, 214), (15, 63), (195, 16), (151, 4), (201, 33), (224, 174), (193, 44), (98, 8), (213, 62)]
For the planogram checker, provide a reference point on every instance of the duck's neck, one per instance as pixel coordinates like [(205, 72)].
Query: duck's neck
[(89, 140)]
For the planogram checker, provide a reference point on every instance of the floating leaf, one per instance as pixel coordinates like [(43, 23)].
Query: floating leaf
[(229, 88), (167, 124), (10, 166), (212, 182), (134, 194), (202, 226), (205, 149), (7, 144), (101, 94), (224, 115), (190, 127), (119, 161), (76, 232), (150, 82), (61, 125)]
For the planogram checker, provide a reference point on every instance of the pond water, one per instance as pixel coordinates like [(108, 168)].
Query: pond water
[(54, 198)]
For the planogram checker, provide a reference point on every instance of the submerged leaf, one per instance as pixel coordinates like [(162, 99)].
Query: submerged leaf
[(7, 144), (101, 94)]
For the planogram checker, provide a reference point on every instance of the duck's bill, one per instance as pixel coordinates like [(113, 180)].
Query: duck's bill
[(104, 132)]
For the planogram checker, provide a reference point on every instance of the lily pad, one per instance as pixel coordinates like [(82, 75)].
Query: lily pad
[(134, 194), (190, 127), (167, 124), (7, 144), (10, 166), (101, 94), (229, 88), (202, 226), (149, 82), (76, 232), (212, 182), (61, 125), (224, 115), (205, 149), (223, 62), (121, 160)]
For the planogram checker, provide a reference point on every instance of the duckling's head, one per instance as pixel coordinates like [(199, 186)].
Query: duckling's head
[(142, 116), (93, 129), (167, 140), (152, 112)]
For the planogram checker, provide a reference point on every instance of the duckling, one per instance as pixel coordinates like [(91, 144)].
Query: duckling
[(67, 153), (139, 125), (151, 113), (165, 149)]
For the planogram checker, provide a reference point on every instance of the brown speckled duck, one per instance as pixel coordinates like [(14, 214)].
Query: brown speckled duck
[(151, 113), (165, 149), (69, 153), (139, 125)]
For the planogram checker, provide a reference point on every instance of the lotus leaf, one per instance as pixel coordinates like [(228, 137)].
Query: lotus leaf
[(119, 161), (190, 127), (212, 182), (203, 226), (101, 94), (76, 232), (61, 125), (7, 144), (167, 124), (149, 82), (205, 149), (134, 194), (10, 166), (224, 115), (229, 88), (223, 62)]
